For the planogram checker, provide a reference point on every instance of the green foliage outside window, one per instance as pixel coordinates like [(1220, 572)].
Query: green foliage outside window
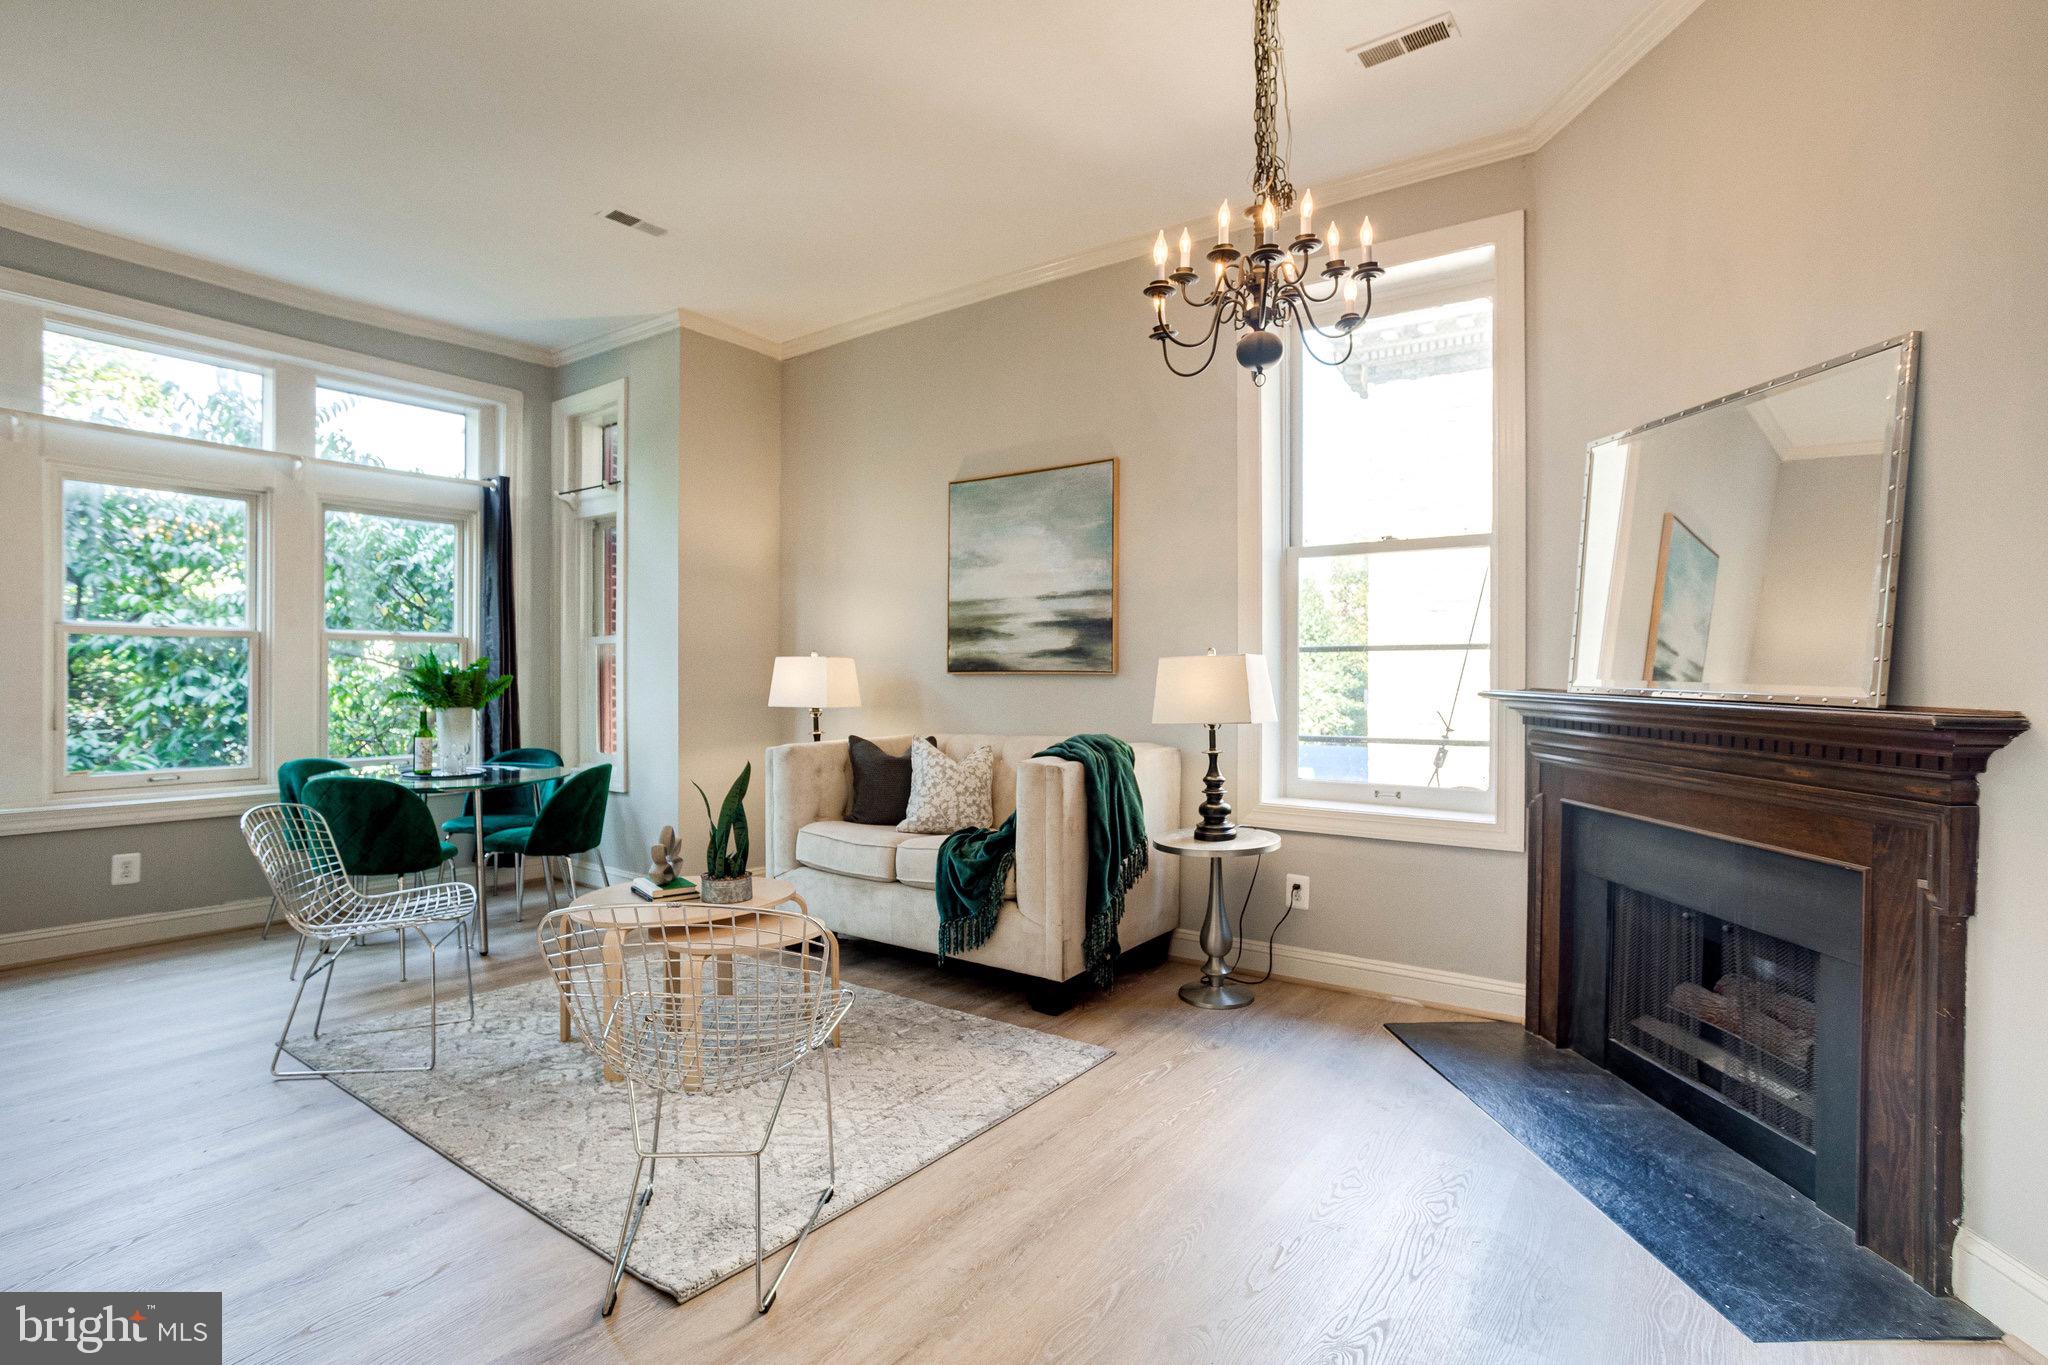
[(138, 703), (1332, 612)]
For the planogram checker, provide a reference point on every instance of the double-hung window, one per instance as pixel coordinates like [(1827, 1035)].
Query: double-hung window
[(156, 635), (592, 466), (1393, 577), (246, 539), (395, 589)]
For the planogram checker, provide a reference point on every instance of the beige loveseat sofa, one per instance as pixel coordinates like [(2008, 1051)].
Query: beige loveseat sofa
[(874, 882)]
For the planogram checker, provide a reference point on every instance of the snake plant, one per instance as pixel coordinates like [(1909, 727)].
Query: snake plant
[(726, 854)]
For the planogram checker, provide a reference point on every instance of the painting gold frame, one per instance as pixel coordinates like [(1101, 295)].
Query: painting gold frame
[(1116, 544)]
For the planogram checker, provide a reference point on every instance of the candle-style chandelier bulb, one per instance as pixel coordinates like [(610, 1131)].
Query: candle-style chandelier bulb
[(1268, 289)]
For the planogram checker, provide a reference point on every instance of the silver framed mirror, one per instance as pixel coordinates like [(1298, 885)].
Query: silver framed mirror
[(1747, 549)]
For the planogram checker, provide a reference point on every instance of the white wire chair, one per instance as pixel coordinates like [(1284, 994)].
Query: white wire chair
[(696, 1002), (296, 850)]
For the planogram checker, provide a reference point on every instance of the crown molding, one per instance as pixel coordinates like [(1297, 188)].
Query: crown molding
[(1629, 46), (100, 243), (658, 325)]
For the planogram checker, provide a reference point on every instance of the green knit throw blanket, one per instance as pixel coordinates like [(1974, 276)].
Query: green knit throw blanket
[(974, 864)]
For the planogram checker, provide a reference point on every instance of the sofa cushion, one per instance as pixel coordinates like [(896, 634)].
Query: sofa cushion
[(917, 864), (917, 859), (948, 793), (851, 850)]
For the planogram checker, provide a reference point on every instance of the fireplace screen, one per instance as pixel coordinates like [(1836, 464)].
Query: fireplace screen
[(1730, 1009)]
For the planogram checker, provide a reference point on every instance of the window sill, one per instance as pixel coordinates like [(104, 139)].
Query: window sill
[(103, 812), (1453, 829)]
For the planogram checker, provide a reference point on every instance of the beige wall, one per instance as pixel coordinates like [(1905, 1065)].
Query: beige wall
[(873, 430), (703, 531), (728, 605), (1775, 185)]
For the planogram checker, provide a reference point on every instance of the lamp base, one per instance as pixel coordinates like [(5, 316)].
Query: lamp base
[(1214, 826), (1216, 834)]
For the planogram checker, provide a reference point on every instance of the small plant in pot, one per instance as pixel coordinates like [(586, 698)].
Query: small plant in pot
[(726, 879), (454, 695)]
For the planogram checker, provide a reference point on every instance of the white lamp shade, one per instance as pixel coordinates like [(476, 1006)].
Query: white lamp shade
[(1213, 689), (808, 680)]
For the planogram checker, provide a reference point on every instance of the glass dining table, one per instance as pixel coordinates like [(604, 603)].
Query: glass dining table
[(490, 777)]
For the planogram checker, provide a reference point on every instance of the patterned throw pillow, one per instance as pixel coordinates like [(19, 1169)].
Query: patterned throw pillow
[(949, 793)]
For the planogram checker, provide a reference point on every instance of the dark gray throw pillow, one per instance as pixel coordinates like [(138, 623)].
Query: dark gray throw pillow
[(881, 783)]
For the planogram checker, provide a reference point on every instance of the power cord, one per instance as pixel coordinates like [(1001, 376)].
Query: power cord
[(1271, 938)]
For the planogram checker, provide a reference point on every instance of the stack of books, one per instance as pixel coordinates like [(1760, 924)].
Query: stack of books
[(681, 889)]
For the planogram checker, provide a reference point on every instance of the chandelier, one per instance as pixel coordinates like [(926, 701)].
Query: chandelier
[(1262, 291)]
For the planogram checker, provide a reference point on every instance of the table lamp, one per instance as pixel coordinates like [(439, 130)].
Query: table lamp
[(1213, 689), (807, 681)]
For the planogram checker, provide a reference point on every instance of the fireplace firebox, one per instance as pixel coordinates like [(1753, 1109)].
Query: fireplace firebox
[(1725, 982), (1756, 914)]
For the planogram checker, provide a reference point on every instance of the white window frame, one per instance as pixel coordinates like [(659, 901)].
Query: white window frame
[(253, 630), (463, 636), (580, 417), (1269, 562), (291, 489)]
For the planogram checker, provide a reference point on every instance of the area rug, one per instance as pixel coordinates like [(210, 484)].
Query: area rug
[(532, 1117), (1763, 1254)]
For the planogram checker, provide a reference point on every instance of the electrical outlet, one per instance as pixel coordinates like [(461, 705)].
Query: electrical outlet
[(127, 869), (1297, 890)]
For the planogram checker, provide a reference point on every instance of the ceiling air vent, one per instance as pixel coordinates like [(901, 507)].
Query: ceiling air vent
[(1410, 39), (638, 224)]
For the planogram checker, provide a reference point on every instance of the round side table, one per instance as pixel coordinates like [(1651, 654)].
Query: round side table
[(1216, 991)]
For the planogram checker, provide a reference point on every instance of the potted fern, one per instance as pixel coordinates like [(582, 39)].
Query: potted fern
[(454, 695), (726, 879)]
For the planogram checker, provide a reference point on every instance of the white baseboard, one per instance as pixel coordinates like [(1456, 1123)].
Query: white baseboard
[(1399, 980), (25, 946), (2003, 1288)]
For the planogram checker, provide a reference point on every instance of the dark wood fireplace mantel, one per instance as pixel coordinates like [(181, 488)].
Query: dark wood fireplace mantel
[(1890, 793)]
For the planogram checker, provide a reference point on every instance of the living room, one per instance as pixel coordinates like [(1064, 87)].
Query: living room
[(544, 422)]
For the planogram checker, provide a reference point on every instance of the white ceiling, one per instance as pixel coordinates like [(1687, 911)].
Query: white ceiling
[(815, 163)]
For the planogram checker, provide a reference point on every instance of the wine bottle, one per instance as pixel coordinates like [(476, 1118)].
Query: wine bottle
[(423, 745)]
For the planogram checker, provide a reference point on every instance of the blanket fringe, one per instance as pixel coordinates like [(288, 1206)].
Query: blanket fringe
[(971, 931)]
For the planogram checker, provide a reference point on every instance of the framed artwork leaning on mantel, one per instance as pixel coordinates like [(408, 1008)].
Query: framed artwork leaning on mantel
[(1031, 571)]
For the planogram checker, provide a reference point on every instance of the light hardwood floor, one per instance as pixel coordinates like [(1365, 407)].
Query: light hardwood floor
[(1281, 1183)]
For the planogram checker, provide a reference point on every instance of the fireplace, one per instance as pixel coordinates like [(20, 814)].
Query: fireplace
[(1725, 982), (1756, 914)]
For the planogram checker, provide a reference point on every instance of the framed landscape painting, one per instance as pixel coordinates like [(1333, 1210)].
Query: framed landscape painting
[(1681, 606), (1031, 571)]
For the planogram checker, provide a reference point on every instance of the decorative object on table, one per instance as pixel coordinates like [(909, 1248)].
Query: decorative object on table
[(1213, 689), (1216, 991), (1681, 606), (455, 695), (665, 859), (423, 745), (1262, 291), (1799, 486), (726, 878), (974, 864), (881, 782), (949, 793), (809, 682), (673, 889), (1031, 572)]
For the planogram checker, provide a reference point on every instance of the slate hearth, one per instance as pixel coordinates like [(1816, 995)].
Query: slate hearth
[(1812, 872), (1768, 1258)]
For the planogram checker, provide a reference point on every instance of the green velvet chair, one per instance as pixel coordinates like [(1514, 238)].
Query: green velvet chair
[(380, 828), (507, 807), (569, 823), (291, 778)]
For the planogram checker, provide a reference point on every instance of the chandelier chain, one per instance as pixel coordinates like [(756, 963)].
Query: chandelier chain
[(1269, 172)]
